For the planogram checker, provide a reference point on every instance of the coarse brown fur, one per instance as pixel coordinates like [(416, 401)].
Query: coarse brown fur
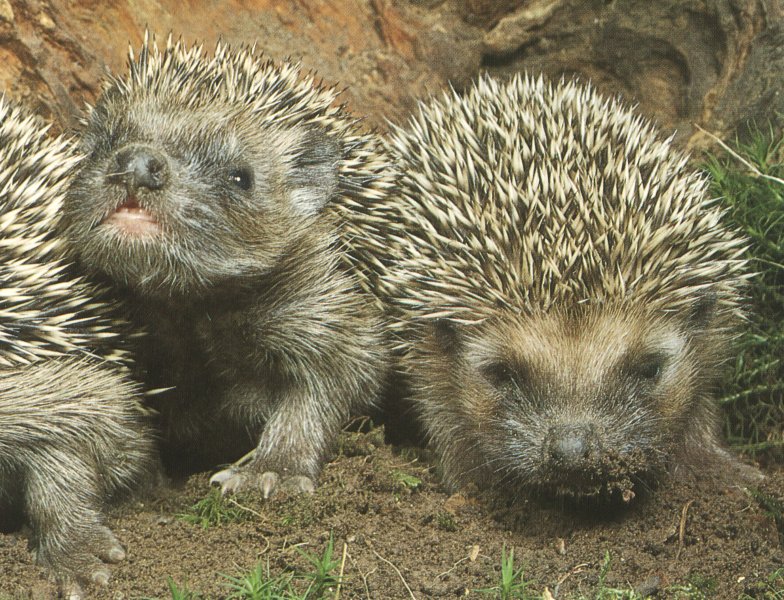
[(72, 431), (493, 395), (239, 275), (71, 438)]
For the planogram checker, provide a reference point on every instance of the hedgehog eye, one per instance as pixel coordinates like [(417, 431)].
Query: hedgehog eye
[(649, 367), (499, 374), (241, 177)]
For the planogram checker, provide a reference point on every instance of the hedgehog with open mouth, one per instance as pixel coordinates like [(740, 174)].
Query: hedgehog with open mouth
[(213, 199)]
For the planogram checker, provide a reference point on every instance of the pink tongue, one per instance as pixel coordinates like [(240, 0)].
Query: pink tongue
[(133, 219)]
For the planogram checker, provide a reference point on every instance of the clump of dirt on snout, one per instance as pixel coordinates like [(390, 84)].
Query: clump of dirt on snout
[(620, 472), (613, 477)]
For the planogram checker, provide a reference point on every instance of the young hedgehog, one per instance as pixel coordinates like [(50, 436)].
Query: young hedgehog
[(71, 430), (564, 289), (213, 196)]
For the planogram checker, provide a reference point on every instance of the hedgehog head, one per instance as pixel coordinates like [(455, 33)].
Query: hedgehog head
[(563, 280), (203, 168), (580, 403)]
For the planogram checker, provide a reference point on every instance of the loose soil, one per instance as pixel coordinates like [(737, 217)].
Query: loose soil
[(403, 536)]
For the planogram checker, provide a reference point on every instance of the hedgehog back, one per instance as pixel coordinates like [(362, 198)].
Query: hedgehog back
[(44, 310), (528, 195)]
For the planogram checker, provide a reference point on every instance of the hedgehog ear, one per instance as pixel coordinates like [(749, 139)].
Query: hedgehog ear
[(313, 171), (702, 311), (447, 336)]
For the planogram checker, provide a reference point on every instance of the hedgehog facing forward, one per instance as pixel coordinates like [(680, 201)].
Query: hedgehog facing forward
[(212, 198), (565, 290), (71, 430)]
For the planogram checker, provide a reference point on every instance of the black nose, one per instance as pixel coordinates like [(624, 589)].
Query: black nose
[(568, 446), (142, 166)]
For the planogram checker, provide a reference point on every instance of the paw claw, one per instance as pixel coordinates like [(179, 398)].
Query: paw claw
[(115, 555), (268, 483), (233, 480), (299, 484), (100, 576), (112, 551), (73, 591), (221, 476), (84, 563), (230, 480)]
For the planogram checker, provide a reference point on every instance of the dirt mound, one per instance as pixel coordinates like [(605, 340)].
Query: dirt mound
[(386, 510)]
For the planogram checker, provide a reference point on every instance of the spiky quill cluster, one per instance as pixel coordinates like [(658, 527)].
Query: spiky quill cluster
[(527, 195), (72, 431), (44, 311)]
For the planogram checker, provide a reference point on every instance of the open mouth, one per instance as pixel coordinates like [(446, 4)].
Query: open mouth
[(133, 219)]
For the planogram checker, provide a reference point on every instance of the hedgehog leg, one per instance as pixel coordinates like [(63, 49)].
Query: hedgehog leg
[(234, 479), (72, 431), (291, 450), (69, 538)]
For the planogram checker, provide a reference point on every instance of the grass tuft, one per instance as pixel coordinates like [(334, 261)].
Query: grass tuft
[(179, 592), (214, 510), (322, 577), (753, 398), (405, 481), (512, 585), (603, 592), (446, 521), (261, 584), (258, 584), (773, 506), (772, 588)]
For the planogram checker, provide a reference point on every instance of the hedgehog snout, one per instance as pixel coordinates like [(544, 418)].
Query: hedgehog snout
[(140, 166), (568, 447)]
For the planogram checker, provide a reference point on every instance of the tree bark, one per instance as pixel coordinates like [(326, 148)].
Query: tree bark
[(712, 63)]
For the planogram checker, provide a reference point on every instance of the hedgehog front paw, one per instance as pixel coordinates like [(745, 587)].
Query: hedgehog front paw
[(234, 479), (81, 561)]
